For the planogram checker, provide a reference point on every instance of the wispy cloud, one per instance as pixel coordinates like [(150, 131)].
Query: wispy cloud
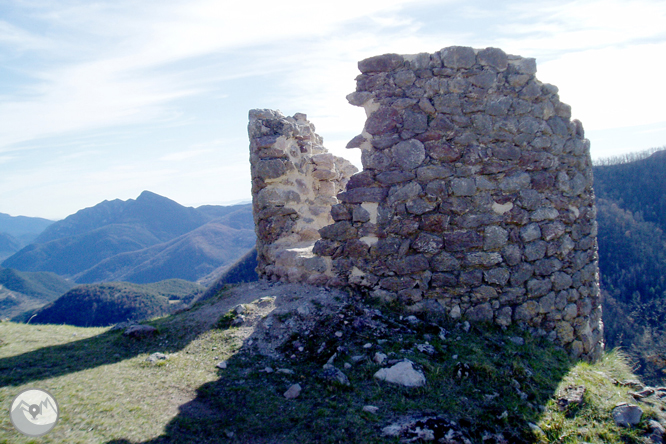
[(122, 70), (182, 155), (156, 85)]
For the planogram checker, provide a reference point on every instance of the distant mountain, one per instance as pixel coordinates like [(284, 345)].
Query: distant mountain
[(8, 245), (145, 240), (162, 217), (190, 256), (21, 225), (22, 291), (631, 213), (109, 303), (71, 255), (18, 231)]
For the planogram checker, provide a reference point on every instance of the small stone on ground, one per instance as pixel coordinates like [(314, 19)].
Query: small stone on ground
[(627, 415), (293, 391), (156, 357), (402, 373)]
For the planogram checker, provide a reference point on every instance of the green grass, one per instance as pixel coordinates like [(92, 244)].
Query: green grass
[(592, 422), (107, 392)]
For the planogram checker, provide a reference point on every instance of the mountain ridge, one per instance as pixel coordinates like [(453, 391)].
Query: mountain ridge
[(145, 233)]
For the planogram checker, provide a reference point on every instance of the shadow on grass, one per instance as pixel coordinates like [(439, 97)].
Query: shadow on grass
[(481, 380), (109, 347)]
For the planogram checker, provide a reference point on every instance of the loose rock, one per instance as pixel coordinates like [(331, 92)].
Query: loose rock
[(627, 415), (156, 357), (402, 373), (370, 409), (293, 392), (140, 331)]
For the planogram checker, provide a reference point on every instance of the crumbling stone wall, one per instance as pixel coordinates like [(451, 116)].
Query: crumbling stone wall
[(295, 181), (476, 194)]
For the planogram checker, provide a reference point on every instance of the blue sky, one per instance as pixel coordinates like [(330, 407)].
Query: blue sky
[(104, 99)]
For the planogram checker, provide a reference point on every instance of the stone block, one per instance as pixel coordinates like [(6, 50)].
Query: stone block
[(494, 238), (340, 212), (503, 316), (538, 287), (498, 276), (526, 312), (493, 57), (462, 240), (382, 121), (339, 231), (444, 262), (544, 213), (360, 195), (521, 273), (546, 267), (430, 173), (420, 206), (394, 177), (480, 313), (483, 259), (428, 243), (443, 280), (381, 63), (360, 214), (471, 278), (408, 154), (535, 250), (463, 187), (270, 169), (409, 264), (516, 182), (458, 57)]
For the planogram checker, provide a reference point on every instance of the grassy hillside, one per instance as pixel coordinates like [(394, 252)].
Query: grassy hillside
[(23, 291), (241, 271), (113, 302), (189, 257), (42, 285), (68, 256), (493, 385), (8, 245)]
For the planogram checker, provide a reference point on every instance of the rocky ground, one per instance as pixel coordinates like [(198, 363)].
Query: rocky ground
[(302, 327), (275, 363)]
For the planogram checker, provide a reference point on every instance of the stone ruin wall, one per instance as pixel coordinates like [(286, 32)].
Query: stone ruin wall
[(475, 197), (295, 181)]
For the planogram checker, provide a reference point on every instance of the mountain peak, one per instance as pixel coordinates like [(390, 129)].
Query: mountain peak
[(145, 195)]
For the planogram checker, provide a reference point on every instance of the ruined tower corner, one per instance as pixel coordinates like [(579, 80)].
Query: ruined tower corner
[(475, 197), (295, 181)]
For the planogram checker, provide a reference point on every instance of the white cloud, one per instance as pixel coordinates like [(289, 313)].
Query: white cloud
[(140, 82), (612, 87)]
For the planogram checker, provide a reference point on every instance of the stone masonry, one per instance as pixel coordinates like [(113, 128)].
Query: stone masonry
[(294, 184), (475, 197)]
